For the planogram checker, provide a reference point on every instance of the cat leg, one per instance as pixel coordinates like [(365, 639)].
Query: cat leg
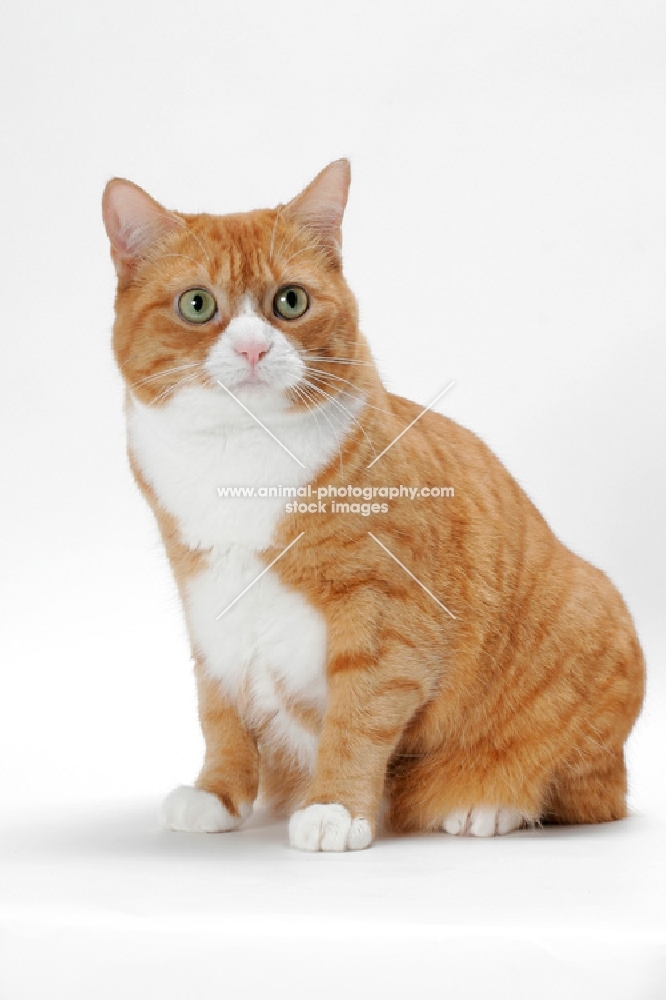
[(463, 790), (592, 792), (595, 794), (369, 705), (226, 788), (481, 798)]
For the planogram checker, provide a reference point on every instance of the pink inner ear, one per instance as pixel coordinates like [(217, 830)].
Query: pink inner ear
[(133, 219), (322, 204)]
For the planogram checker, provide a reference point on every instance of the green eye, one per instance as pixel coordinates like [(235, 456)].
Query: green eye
[(291, 302), (197, 305)]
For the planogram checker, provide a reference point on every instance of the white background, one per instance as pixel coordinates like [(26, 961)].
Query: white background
[(506, 228)]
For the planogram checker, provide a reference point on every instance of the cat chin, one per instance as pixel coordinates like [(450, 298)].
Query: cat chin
[(210, 407), (258, 396), (261, 399), (251, 385)]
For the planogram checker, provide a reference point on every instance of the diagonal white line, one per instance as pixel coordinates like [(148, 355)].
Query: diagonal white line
[(411, 425), (260, 424), (217, 617), (388, 551)]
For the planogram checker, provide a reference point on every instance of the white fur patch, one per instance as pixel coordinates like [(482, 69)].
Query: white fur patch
[(194, 811), (328, 828), (279, 368), (270, 638), (197, 441), (482, 821)]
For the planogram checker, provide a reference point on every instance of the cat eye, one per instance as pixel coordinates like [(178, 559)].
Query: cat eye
[(197, 305), (291, 302)]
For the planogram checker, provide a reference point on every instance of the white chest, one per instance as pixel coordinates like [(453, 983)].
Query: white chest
[(270, 641)]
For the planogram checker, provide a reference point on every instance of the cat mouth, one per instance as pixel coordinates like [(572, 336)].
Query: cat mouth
[(252, 382)]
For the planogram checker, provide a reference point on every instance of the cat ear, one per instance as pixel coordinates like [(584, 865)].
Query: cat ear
[(322, 204), (133, 222)]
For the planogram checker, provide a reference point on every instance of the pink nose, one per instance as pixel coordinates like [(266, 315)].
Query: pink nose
[(252, 350)]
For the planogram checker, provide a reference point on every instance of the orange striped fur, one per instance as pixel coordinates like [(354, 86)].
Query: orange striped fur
[(523, 700)]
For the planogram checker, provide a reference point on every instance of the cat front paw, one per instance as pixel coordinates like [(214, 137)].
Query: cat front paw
[(193, 810), (328, 828), (482, 821)]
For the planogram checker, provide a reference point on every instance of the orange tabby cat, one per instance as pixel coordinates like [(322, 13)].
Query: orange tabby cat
[(441, 663)]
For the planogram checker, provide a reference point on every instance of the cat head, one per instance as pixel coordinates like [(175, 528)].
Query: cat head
[(250, 304)]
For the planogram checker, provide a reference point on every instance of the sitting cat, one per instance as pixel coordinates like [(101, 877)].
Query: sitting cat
[(439, 664)]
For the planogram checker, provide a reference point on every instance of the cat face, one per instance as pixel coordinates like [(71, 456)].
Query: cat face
[(245, 304)]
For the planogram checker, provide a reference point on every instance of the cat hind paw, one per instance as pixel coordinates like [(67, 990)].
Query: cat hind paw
[(482, 821)]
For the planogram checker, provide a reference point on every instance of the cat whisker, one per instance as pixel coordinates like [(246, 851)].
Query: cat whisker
[(300, 394), (164, 371), (343, 408), (312, 242), (272, 246), (128, 361), (358, 398), (173, 388), (336, 361), (288, 242), (181, 222), (330, 375), (358, 392), (306, 249), (320, 375), (325, 415)]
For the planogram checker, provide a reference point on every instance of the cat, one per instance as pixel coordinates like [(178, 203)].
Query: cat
[(411, 664)]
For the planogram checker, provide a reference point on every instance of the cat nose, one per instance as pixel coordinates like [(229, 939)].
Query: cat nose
[(252, 350)]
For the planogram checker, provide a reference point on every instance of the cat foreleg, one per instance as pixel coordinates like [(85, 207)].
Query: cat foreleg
[(369, 705), (224, 793)]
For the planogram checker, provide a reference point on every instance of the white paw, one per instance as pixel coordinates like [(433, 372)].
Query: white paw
[(482, 821), (328, 828), (195, 811)]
